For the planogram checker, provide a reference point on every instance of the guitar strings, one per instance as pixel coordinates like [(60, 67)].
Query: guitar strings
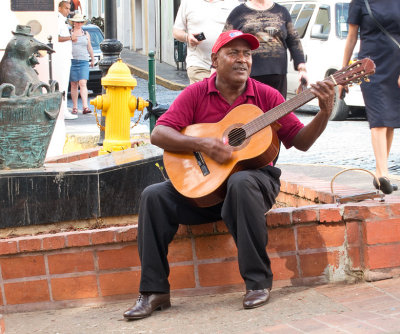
[(279, 111), (271, 116)]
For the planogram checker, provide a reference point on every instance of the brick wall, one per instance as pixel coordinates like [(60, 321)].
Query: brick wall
[(307, 245), (311, 240)]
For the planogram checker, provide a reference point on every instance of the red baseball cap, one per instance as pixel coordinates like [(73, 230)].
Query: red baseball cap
[(228, 36)]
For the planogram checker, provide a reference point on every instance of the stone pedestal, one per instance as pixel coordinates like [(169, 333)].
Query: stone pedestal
[(108, 185)]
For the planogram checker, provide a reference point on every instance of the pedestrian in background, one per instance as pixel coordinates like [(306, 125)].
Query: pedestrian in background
[(193, 18), (63, 55), (75, 7), (272, 25), (61, 60), (81, 51), (382, 93)]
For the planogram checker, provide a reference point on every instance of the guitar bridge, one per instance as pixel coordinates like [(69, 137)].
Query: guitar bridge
[(202, 164)]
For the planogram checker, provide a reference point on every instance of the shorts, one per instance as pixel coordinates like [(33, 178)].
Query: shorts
[(196, 73), (79, 70)]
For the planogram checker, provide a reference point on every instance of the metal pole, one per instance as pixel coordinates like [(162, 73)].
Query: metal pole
[(152, 87), (110, 47), (50, 44), (110, 19)]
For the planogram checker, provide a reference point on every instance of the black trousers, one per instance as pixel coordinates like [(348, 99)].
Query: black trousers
[(250, 194)]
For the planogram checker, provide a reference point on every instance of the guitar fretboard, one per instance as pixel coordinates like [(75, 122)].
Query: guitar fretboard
[(349, 74), (278, 112)]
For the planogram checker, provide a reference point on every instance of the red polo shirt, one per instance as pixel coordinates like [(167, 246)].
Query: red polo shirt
[(203, 103)]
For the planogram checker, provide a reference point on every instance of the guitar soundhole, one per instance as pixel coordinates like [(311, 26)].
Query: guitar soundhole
[(236, 137)]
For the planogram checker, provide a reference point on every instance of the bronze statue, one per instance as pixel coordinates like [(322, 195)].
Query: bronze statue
[(28, 107), (17, 65)]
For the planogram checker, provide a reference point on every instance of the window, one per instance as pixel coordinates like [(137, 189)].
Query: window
[(303, 19), (96, 37), (342, 13), (295, 12), (323, 19)]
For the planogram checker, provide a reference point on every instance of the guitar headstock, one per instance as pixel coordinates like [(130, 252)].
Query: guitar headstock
[(354, 72)]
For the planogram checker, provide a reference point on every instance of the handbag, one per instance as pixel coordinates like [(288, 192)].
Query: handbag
[(379, 25)]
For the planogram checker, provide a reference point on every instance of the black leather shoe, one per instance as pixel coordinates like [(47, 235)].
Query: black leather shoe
[(385, 186), (256, 298), (146, 304)]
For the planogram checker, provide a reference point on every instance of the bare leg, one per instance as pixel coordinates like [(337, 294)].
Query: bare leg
[(381, 143), (74, 93), (389, 138), (84, 93)]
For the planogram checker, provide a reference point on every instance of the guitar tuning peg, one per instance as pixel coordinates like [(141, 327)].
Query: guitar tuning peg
[(366, 79)]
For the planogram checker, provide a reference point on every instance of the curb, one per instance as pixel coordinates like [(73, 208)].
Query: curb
[(159, 80)]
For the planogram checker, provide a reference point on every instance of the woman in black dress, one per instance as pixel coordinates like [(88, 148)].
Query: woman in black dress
[(382, 93)]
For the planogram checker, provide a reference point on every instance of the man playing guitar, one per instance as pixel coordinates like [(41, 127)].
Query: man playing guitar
[(249, 193)]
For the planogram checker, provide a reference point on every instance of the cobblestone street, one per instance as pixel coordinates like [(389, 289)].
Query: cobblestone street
[(346, 143)]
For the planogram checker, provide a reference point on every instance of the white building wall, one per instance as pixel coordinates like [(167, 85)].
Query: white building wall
[(8, 23), (138, 26), (166, 39), (154, 26), (124, 22), (142, 25), (94, 8)]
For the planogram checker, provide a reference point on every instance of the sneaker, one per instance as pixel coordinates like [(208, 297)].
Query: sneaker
[(68, 115)]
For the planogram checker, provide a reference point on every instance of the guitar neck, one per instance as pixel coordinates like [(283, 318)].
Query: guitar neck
[(352, 73), (278, 112)]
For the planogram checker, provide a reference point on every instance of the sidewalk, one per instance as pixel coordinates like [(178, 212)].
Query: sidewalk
[(372, 307), (166, 75), (357, 308)]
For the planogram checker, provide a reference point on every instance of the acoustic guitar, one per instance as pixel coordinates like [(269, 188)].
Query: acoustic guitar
[(252, 135)]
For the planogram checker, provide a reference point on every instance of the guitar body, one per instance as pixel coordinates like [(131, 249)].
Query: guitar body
[(206, 187)]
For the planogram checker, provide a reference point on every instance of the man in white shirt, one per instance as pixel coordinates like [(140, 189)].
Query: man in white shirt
[(201, 16), (64, 53), (61, 60)]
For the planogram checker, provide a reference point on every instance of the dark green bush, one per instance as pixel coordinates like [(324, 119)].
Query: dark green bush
[(98, 21)]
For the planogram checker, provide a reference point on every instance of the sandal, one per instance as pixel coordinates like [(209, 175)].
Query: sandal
[(74, 111), (86, 111), (385, 186)]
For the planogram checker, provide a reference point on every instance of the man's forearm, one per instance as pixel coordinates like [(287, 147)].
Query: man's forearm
[(64, 38), (180, 35)]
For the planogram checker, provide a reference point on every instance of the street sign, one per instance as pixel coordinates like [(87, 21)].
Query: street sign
[(32, 5)]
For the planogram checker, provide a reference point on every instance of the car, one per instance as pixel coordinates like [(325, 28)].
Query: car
[(322, 27), (95, 74)]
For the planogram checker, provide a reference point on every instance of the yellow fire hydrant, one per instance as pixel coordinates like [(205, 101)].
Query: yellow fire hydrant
[(118, 106)]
